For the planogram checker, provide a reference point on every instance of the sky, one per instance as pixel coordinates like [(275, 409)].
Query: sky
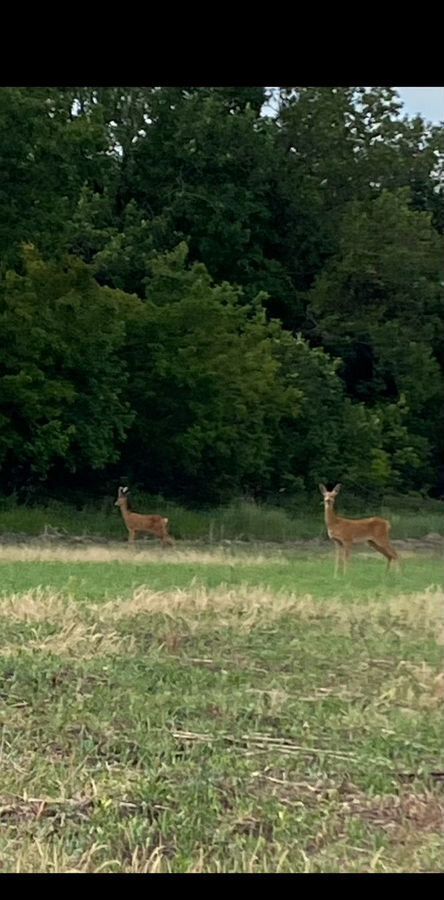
[(428, 101)]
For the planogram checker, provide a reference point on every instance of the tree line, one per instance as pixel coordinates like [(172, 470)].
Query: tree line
[(209, 301)]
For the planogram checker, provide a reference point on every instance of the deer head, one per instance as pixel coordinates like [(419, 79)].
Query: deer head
[(122, 495), (329, 496)]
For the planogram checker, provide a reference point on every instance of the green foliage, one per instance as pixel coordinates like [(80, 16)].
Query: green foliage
[(63, 379), (324, 221), (351, 144), (378, 305), (209, 175), (47, 153), (206, 384), (389, 267)]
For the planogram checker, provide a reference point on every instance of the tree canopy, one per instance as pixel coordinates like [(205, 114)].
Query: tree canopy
[(218, 301)]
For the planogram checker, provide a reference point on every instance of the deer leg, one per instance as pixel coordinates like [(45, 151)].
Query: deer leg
[(345, 556), (158, 533), (379, 548), (165, 537), (131, 536), (337, 556), (387, 550), (393, 557)]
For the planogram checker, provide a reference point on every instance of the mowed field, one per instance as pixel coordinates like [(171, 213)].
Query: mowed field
[(220, 710)]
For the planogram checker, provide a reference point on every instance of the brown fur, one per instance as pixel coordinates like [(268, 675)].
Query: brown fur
[(374, 531), (139, 524)]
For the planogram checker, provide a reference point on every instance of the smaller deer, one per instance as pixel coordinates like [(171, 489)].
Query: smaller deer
[(346, 532), (138, 524)]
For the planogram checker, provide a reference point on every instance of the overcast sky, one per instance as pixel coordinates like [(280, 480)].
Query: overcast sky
[(428, 101)]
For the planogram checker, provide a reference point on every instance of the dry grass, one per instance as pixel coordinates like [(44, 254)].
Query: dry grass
[(44, 857), (248, 607), (139, 554), (84, 629), (40, 604), (74, 639)]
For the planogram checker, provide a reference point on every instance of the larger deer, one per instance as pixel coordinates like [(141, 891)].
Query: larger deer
[(346, 532), (138, 524)]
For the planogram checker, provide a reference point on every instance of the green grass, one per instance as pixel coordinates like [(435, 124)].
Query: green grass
[(219, 710), (410, 517), (159, 571)]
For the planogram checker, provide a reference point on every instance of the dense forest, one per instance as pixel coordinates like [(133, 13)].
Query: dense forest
[(211, 302)]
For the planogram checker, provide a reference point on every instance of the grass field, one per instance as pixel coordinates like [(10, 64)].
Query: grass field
[(220, 709), (410, 517)]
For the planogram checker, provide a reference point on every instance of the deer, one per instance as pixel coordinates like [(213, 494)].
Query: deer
[(346, 532), (139, 524)]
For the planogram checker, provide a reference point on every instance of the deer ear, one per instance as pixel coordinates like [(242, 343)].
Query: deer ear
[(323, 489), (337, 488)]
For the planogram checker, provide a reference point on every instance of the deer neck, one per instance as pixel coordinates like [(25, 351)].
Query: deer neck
[(124, 510), (330, 519)]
